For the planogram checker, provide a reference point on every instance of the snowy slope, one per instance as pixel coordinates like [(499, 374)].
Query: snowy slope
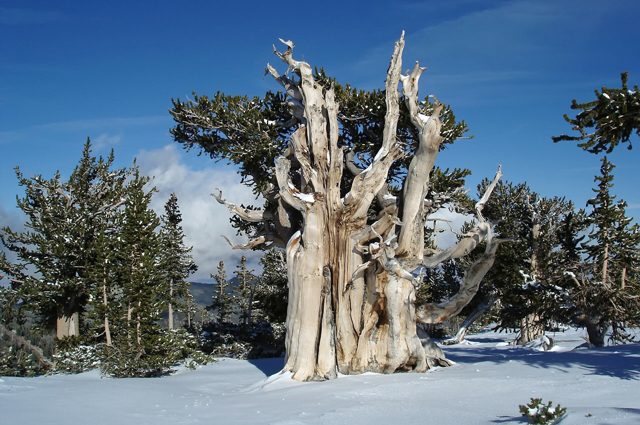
[(486, 386)]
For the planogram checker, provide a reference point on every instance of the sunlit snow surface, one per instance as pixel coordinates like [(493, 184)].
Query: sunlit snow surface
[(489, 381)]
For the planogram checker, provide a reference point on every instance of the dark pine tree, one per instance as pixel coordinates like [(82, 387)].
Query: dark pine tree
[(271, 292), (245, 281), (604, 292), (222, 299)]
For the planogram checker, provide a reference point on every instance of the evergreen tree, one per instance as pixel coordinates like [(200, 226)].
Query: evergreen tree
[(139, 256), (63, 218), (222, 300), (245, 281), (176, 262), (605, 218), (271, 293), (614, 116), (604, 291), (524, 275)]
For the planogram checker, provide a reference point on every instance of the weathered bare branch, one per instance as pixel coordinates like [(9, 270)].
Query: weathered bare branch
[(416, 185), (350, 163), (487, 193), (391, 99), (252, 216), (462, 248), (369, 182), (298, 143), (290, 86), (437, 313), (293, 91), (253, 243), (410, 87)]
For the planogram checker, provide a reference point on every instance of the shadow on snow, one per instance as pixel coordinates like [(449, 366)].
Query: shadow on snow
[(621, 361), (268, 366)]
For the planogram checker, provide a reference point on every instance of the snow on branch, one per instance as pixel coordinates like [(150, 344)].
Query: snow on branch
[(410, 88), (287, 190), (252, 216), (298, 144)]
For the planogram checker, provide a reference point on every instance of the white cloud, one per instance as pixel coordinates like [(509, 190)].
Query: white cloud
[(204, 220), (448, 224), (105, 141), (14, 220)]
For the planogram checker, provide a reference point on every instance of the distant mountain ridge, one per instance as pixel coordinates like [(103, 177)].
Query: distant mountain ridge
[(202, 292)]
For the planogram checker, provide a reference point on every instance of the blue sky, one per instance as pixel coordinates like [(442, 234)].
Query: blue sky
[(109, 69)]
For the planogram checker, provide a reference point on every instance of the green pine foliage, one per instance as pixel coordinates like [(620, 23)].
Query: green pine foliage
[(601, 257), (23, 349), (271, 293), (63, 220), (94, 247), (607, 121), (73, 355), (540, 413), (613, 238), (15, 361), (249, 312), (137, 341)]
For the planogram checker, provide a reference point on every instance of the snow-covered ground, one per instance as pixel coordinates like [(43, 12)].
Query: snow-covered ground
[(489, 381)]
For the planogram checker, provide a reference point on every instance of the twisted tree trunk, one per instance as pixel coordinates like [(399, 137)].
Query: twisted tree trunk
[(532, 325), (480, 310), (352, 279)]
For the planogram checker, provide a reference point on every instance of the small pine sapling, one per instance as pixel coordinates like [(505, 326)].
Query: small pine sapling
[(538, 412)]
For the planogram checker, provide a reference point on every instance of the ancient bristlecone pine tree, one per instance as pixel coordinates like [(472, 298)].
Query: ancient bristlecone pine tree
[(351, 276)]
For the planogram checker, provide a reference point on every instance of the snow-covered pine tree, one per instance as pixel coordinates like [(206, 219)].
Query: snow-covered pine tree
[(524, 275), (603, 294), (608, 120), (62, 222), (176, 263), (104, 275), (222, 300), (626, 249), (245, 281)]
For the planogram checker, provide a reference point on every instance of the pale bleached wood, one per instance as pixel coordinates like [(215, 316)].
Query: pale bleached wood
[(252, 216), (352, 278)]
